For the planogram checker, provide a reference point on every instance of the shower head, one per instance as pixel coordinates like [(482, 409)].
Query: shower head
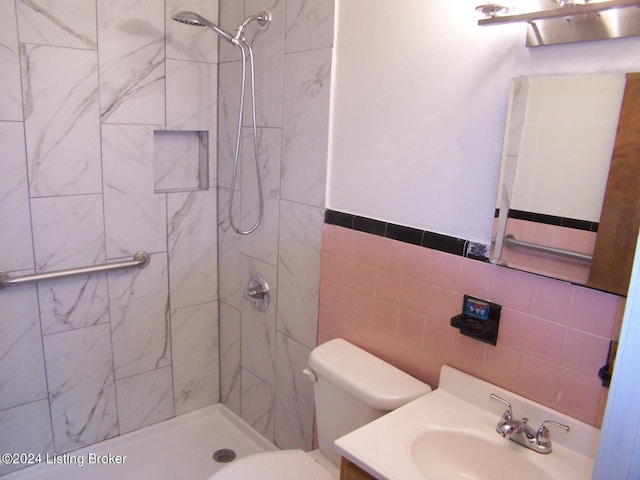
[(191, 18)]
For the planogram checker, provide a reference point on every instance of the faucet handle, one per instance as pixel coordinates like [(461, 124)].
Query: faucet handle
[(509, 412), (543, 435)]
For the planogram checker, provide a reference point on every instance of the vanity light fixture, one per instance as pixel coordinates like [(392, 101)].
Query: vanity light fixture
[(570, 3), (572, 21)]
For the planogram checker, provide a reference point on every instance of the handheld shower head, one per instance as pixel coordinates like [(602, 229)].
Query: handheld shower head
[(193, 19), (190, 18)]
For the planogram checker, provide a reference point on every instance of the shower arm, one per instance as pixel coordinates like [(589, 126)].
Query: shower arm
[(263, 18), (191, 18)]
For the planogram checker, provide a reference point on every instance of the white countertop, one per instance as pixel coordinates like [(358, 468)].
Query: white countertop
[(462, 405)]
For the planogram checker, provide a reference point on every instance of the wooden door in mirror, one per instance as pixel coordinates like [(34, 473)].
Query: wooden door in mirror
[(620, 218)]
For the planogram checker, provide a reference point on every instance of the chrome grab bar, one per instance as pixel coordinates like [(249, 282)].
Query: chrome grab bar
[(511, 241), (140, 260)]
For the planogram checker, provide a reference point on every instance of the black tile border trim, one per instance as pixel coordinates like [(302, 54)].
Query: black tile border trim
[(552, 220), (414, 236)]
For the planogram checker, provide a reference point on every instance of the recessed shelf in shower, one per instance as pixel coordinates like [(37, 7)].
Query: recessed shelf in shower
[(180, 160)]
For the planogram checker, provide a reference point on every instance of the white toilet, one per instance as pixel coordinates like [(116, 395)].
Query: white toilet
[(351, 388)]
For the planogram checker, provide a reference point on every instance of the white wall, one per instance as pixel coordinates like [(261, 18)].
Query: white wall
[(419, 104), (619, 454)]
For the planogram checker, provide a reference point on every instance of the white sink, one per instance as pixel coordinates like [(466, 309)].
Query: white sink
[(450, 434), (440, 453)]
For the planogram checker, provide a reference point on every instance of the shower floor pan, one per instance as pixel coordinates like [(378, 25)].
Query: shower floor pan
[(181, 447)]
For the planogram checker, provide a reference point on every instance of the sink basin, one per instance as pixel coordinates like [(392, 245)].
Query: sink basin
[(450, 454), (450, 434)]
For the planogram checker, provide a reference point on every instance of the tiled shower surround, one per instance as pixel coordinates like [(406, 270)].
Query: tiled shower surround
[(83, 87), (396, 299), (263, 353)]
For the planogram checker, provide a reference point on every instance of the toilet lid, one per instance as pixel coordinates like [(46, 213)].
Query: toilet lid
[(278, 465)]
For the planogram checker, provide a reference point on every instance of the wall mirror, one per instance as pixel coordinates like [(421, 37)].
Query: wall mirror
[(568, 200)]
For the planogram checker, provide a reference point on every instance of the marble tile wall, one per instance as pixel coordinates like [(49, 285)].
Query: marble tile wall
[(263, 353), (83, 86)]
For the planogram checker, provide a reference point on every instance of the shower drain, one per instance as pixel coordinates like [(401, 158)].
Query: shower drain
[(224, 455)]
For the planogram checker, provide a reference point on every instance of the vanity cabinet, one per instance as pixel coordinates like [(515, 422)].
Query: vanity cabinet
[(350, 471)]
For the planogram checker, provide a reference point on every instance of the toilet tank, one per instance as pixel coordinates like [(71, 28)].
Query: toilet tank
[(353, 388)]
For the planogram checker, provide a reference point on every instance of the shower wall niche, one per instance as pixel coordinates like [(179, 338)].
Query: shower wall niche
[(180, 160)]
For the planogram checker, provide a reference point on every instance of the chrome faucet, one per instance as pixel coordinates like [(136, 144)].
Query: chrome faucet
[(520, 432)]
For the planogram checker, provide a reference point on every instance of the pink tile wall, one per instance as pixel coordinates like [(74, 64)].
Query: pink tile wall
[(395, 300)]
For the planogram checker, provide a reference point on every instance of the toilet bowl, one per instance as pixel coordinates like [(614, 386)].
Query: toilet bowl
[(351, 388)]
